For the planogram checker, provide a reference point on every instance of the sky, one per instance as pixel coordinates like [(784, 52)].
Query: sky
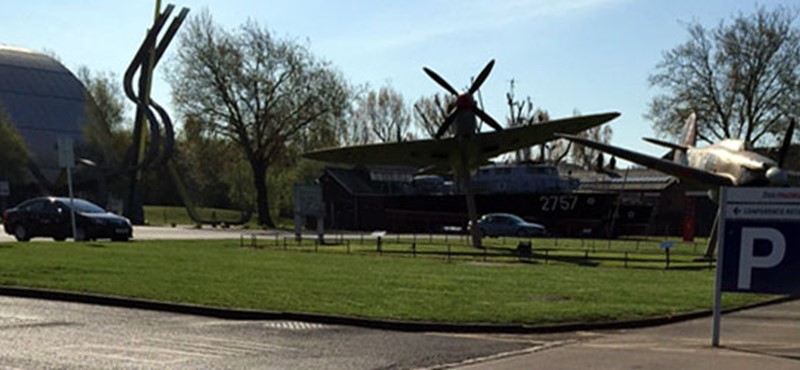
[(588, 55)]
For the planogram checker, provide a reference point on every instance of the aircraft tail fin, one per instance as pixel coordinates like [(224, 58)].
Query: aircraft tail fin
[(691, 131), (689, 140), (666, 144)]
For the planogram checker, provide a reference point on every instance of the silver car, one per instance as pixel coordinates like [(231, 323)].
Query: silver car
[(506, 224)]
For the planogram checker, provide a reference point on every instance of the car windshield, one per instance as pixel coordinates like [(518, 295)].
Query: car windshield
[(508, 219), (85, 206), (515, 219)]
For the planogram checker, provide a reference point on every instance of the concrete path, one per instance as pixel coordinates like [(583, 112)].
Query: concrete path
[(761, 338)]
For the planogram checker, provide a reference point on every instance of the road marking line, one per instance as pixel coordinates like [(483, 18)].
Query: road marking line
[(498, 356)]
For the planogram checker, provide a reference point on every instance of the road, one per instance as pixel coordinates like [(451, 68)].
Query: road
[(186, 232), (181, 233), (49, 334)]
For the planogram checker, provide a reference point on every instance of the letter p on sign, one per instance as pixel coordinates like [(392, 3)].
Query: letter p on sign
[(748, 261)]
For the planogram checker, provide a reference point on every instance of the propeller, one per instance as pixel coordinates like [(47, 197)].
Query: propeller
[(445, 125), (487, 118), (440, 80), (464, 101), (481, 77)]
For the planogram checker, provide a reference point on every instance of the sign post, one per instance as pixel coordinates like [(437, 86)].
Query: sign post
[(308, 202), (757, 228)]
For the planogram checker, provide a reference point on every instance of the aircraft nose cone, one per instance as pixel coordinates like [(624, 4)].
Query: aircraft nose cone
[(465, 101), (777, 176)]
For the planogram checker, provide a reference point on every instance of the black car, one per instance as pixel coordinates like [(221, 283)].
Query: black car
[(50, 217)]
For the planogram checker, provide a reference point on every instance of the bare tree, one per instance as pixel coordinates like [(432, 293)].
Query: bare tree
[(356, 131), (524, 113), (586, 157), (271, 97), (741, 78), (384, 114)]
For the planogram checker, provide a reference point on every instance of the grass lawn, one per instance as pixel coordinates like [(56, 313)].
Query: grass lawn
[(222, 274)]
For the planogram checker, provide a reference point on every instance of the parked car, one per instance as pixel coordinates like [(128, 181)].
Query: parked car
[(506, 224), (50, 217)]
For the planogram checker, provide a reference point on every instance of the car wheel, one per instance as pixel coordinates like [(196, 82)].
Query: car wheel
[(21, 234), (120, 239), (522, 233), (80, 235)]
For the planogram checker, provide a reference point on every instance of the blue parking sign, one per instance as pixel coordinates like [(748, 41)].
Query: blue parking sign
[(761, 257), (760, 240)]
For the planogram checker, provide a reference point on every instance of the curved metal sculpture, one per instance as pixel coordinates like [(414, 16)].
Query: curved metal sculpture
[(148, 110)]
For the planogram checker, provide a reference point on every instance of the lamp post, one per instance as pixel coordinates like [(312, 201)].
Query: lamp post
[(66, 159)]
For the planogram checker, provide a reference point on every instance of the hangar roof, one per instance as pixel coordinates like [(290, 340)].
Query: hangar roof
[(44, 100)]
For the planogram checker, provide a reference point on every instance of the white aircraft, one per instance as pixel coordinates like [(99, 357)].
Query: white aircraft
[(726, 163)]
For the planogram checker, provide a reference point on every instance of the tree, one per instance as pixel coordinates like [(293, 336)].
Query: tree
[(741, 78), (586, 157), (14, 156), (430, 112), (270, 97), (524, 113), (383, 114), (204, 160), (356, 131), (105, 113)]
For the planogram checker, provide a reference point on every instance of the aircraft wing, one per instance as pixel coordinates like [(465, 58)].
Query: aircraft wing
[(443, 153), (420, 153), (495, 143), (678, 170)]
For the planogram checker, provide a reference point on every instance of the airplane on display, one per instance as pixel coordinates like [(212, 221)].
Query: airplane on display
[(467, 149), (726, 163)]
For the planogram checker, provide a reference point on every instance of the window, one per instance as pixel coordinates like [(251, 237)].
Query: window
[(33, 206)]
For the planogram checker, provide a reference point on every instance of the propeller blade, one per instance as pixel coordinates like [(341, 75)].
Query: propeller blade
[(487, 118), (446, 124), (440, 80), (787, 142), (481, 77)]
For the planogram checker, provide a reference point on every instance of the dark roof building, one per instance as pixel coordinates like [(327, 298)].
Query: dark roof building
[(44, 101)]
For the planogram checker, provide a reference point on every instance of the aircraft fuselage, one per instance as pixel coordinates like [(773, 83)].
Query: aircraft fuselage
[(730, 158)]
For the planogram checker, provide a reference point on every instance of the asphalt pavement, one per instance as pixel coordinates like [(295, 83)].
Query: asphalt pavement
[(183, 232), (47, 334)]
